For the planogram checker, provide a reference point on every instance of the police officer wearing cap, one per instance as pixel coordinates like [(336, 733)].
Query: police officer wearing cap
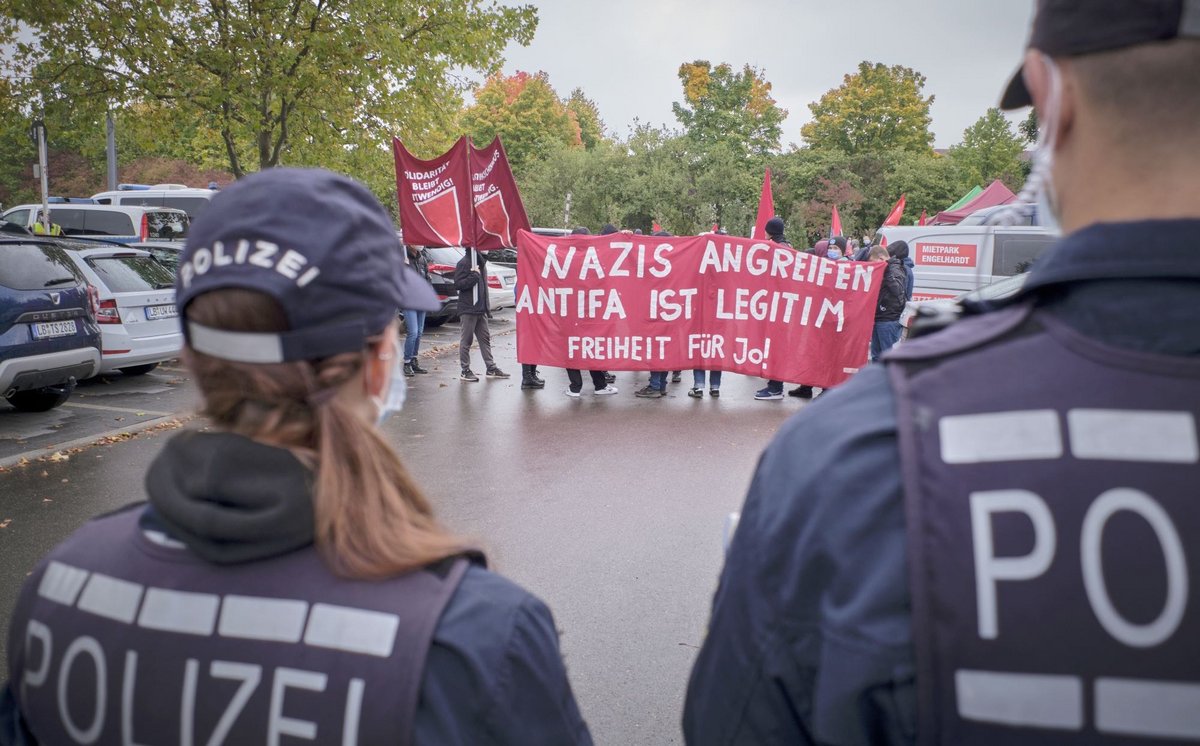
[(994, 536), (287, 581)]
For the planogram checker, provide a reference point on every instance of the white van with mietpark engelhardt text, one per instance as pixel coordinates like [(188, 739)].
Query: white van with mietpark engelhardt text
[(949, 260)]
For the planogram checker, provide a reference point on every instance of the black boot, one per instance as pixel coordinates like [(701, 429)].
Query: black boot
[(530, 378)]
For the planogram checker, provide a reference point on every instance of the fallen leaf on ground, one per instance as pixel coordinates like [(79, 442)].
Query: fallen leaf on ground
[(58, 456), (5, 522)]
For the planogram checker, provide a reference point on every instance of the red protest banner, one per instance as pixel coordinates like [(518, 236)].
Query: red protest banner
[(499, 212), (623, 302), (435, 196)]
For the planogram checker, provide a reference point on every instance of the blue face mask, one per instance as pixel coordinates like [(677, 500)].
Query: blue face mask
[(833, 254), (397, 390)]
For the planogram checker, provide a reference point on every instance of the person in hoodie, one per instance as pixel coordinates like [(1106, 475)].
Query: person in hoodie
[(474, 312), (899, 250), (892, 297), (288, 578)]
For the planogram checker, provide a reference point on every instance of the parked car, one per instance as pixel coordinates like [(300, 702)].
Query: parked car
[(135, 307), (124, 223), (48, 335), (189, 199)]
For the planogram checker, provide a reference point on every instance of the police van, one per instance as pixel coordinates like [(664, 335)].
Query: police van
[(950, 260), (190, 200)]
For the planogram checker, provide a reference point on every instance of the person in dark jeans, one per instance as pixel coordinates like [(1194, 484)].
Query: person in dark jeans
[(473, 311), (414, 321), (892, 297)]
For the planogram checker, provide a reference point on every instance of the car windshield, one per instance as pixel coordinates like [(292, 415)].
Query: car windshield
[(167, 224), (125, 274), (36, 267)]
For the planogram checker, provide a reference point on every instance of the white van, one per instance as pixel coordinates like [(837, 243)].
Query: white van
[(121, 223), (949, 260), (190, 200)]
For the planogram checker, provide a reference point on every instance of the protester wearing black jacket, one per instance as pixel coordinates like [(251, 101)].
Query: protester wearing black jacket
[(893, 295), (474, 312)]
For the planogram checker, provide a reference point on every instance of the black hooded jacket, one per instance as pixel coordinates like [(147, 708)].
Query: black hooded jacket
[(467, 282)]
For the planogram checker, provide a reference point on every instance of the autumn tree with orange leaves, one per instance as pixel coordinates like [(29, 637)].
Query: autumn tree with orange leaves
[(528, 115)]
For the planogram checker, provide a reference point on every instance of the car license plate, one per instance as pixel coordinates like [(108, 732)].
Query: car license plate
[(161, 312), (54, 329), (508, 281)]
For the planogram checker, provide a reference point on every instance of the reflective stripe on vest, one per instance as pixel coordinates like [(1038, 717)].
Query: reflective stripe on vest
[(118, 640), (1052, 490)]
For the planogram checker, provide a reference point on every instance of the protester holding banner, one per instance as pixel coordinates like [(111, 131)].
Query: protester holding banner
[(473, 313), (657, 388), (774, 389), (600, 379), (992, 538)]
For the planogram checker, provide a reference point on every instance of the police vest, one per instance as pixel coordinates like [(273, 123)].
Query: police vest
[(1052, 489), (121, 640)]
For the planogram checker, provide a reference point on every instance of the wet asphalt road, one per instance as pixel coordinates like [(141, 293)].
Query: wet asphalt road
[(609, 508)]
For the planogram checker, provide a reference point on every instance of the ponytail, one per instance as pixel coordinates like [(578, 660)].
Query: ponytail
[(371, 519)]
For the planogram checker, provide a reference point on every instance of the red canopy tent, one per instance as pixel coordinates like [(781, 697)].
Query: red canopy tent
[(995, 194)]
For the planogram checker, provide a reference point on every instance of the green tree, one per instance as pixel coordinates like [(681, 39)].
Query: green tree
[(1028, 128), (271, 78), (587, 117), (724, 107), (990, 150), (526, 113), (877, 109)]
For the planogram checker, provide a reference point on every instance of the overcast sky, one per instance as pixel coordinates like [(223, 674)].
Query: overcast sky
[(625, 53)]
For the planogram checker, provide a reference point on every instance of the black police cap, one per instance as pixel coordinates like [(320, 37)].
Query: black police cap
[(1070, 28)]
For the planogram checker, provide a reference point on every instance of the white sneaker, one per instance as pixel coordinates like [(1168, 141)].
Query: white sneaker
[(572, 394), (607, 391)]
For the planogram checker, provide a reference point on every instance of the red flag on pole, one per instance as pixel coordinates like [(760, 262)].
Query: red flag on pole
[(835, 227), (924, 218), (897, 212), (499, 212), (766, 209), (655, 227), (435, 196), (716, 227)]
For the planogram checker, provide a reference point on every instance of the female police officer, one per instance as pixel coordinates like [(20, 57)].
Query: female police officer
[(287, 579)]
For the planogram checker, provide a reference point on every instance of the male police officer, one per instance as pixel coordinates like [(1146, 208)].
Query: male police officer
[(995, 538)]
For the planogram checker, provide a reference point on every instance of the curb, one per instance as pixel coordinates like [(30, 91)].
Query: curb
[(41, 454)]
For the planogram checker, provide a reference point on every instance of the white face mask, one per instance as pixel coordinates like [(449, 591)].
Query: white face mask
[(393, 397), (1038, 192)]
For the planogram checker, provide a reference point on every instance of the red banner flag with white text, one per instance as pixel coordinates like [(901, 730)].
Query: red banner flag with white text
[(766, 208), (499, 212), (435, 196), (637, 303), (897, 212)]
